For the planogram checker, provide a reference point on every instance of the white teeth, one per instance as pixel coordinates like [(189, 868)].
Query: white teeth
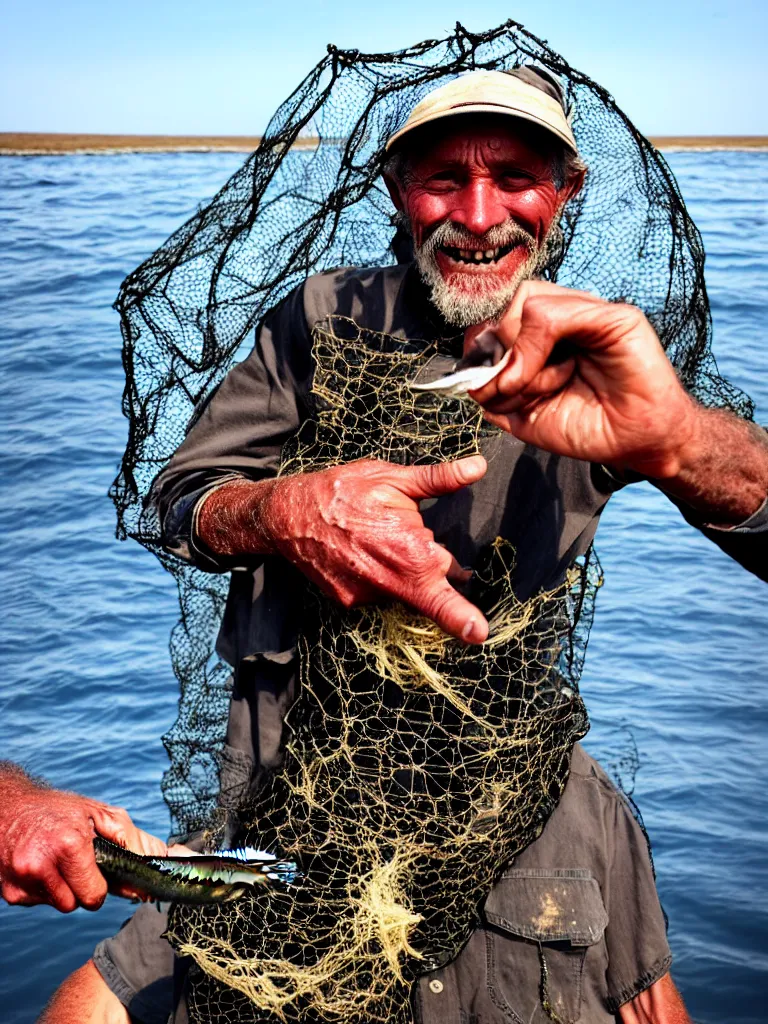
[(490, 253), (464, 253), (478, 255)]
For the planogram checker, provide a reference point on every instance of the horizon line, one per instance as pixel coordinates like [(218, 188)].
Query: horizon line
[(54, 143)]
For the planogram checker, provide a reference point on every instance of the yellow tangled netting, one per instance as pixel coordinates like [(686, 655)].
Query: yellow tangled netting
[(415, 768)]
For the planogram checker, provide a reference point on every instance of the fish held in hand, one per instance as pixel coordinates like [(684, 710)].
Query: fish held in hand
[(469, 378), (195, 879)]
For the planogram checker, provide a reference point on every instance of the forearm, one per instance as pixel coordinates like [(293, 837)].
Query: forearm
[(659, 1004), (721, 470), (233, 520), (15, 783)]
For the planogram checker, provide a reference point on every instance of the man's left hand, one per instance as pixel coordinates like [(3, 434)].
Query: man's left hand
[(589, 379)]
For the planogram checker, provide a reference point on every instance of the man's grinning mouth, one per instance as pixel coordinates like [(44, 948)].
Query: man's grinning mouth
[(477, 255)]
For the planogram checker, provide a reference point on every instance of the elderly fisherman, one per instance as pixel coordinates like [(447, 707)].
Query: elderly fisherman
[(480, 174)]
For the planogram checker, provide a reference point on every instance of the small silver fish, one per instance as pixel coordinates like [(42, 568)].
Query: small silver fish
[(460, 383), (196, 879), (475, 370)]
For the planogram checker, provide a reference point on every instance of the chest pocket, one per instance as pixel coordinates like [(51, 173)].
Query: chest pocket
[(545, 952)]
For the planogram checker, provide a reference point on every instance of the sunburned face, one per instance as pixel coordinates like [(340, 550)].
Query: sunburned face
[(480, 202)]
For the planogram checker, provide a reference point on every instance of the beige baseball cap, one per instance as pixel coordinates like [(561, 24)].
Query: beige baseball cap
[(490, 92)]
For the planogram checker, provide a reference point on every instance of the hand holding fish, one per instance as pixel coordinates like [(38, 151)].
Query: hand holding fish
[(46, 844), (588, 379)]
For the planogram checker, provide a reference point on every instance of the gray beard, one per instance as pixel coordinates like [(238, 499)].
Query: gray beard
[(489, 297)]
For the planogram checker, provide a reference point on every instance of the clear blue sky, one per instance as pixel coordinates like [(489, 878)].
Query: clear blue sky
[(222, 66)]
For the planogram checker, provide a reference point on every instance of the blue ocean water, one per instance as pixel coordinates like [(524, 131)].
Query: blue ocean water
[(678, 661)]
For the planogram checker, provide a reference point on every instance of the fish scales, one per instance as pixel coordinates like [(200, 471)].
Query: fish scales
[(195, 879)]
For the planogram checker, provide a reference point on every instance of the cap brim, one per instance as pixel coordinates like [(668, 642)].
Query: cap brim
[(502, 109)]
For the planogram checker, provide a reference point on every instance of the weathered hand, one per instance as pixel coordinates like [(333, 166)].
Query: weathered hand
[(609, 394), (46, 845), (356, 532)]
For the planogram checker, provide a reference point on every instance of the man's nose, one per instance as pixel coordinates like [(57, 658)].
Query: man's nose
[(479, 208)]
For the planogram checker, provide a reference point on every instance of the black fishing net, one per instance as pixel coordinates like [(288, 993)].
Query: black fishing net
[(415, 767)]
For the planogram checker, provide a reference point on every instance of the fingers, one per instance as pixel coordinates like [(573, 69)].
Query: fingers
[(179, 850), (540, 316), (378, 547), (77, 869), (115, 824), (425, 588), (127, 893), (456, 573), (433, 596), (452, 612), (548, 382), (420, 482), (18, 896), (508, 327), (78, 886), (147, 844), (40, 883)]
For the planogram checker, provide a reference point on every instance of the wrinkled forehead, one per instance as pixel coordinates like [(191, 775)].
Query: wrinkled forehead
[(473, 139)]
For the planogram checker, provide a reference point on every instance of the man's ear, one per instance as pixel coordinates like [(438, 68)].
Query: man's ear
[(395, 192), (573, 186)]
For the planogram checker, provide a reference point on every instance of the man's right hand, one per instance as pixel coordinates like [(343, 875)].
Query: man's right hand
[(46, 844), (355, 531)]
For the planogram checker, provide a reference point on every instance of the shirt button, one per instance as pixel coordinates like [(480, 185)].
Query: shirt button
[(436, 986)]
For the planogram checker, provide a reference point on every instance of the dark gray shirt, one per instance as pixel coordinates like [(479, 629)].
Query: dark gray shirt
[(575, 919), (546, 506)]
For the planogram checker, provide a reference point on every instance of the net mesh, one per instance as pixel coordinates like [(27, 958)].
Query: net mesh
[(414, 768)]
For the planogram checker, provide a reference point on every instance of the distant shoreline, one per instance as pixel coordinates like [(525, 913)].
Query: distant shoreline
[(53, 144)]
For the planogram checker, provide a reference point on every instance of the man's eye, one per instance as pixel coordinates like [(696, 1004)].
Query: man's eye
[(515, 180), (443, 179)]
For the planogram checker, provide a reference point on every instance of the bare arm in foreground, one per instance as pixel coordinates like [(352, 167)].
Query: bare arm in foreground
[(659, 1004), (85, 998), (46, 843)]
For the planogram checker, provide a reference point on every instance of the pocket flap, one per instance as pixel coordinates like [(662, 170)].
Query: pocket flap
[(557, 905)]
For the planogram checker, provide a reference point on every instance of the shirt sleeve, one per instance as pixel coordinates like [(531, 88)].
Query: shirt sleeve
[(636, 934), (239, 431), (746, 543)]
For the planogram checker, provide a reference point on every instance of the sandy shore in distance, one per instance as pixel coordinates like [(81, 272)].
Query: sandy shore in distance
[(708, 142), (42, 143)]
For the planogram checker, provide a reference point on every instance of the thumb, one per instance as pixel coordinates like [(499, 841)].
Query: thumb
[(430, 481), (115, 824), (452, 612)]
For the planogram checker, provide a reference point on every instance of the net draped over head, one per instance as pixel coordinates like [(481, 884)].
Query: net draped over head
[(415, 768)]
